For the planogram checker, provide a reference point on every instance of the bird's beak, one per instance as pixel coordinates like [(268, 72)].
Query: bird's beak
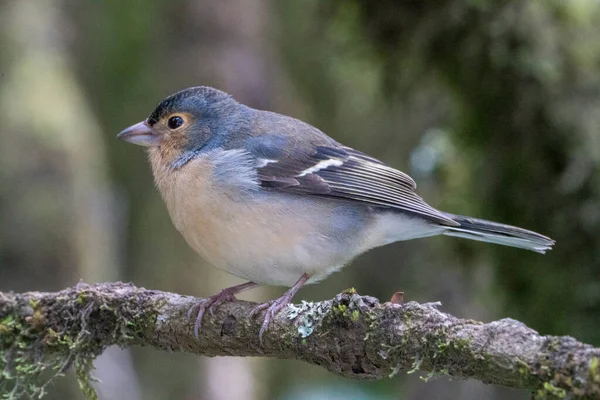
[(140, 134)]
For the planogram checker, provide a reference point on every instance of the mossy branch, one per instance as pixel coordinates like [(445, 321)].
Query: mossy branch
[(351, 335)]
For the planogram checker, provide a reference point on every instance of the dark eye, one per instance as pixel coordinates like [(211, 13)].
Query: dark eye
[(174, 122)]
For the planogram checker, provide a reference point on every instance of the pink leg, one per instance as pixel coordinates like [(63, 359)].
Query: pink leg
[(224, 296), (274, 306)]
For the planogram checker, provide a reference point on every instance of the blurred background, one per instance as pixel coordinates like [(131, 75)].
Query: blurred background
[(492, 106)]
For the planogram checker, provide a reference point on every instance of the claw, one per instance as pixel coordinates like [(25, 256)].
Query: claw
[(260, 307), (198, 323), (272, 307), (224, 296), (191, 310)]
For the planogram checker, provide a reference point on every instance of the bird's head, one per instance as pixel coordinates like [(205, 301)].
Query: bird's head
[(185, 122)]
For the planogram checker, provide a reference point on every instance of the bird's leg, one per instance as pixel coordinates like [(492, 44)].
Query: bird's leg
[(224, 296), (274, 306)]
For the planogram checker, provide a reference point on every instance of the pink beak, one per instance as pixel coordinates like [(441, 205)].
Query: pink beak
[(140, 134)]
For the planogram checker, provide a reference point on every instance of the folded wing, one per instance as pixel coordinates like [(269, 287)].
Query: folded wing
[(344, 173)]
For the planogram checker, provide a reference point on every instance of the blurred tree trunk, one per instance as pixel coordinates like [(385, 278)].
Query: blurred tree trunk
[(53, 168)]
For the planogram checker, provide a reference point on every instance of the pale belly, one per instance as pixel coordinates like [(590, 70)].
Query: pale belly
[(260, 243)]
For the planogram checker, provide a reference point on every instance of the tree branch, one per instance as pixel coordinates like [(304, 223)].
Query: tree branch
[(351, 335)]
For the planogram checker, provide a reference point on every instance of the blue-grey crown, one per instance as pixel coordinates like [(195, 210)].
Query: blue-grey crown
[(191, 99)]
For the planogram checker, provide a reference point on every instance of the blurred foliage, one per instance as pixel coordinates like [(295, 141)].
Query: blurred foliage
[(528, 119), (491, 105)]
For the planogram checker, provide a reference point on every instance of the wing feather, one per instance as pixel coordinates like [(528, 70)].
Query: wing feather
[(345, 173)]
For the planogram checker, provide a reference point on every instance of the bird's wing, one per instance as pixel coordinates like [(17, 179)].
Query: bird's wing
[(333, 170)]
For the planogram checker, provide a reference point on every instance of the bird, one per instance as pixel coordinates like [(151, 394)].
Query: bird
[(275, 201)]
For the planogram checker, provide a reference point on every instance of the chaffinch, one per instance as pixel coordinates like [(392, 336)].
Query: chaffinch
[(273, 200)]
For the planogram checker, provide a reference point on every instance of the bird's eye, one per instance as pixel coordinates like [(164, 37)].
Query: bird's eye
[(175, 122)]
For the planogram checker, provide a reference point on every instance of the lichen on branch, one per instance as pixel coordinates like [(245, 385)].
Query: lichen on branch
[(351, 335)]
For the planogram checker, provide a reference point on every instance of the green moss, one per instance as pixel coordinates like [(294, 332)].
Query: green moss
[(347, 311), (372, 322), (288, 339), (415, 365), (6, 327), (407, 319), (37, 338), (548, 390), (433, 374), (394, 371), (553, 344), (593, 370), (460, 344), (83, 368), (18, 363), (81, 299), (350, 291), (372, 319), (523, 368), (443, 345), (341, 309)]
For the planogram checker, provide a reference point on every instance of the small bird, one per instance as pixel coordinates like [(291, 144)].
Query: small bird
[(275, 201)]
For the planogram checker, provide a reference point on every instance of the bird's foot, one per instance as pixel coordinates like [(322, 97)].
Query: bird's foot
[(272, 307), (224, 296)]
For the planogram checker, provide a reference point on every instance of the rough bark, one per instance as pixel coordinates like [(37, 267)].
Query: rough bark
[(351, 335)]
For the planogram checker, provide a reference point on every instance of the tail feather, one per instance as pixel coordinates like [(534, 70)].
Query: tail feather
[(492, 232)]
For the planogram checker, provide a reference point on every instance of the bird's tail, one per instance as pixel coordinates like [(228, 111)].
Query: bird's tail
[(492, 232)]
